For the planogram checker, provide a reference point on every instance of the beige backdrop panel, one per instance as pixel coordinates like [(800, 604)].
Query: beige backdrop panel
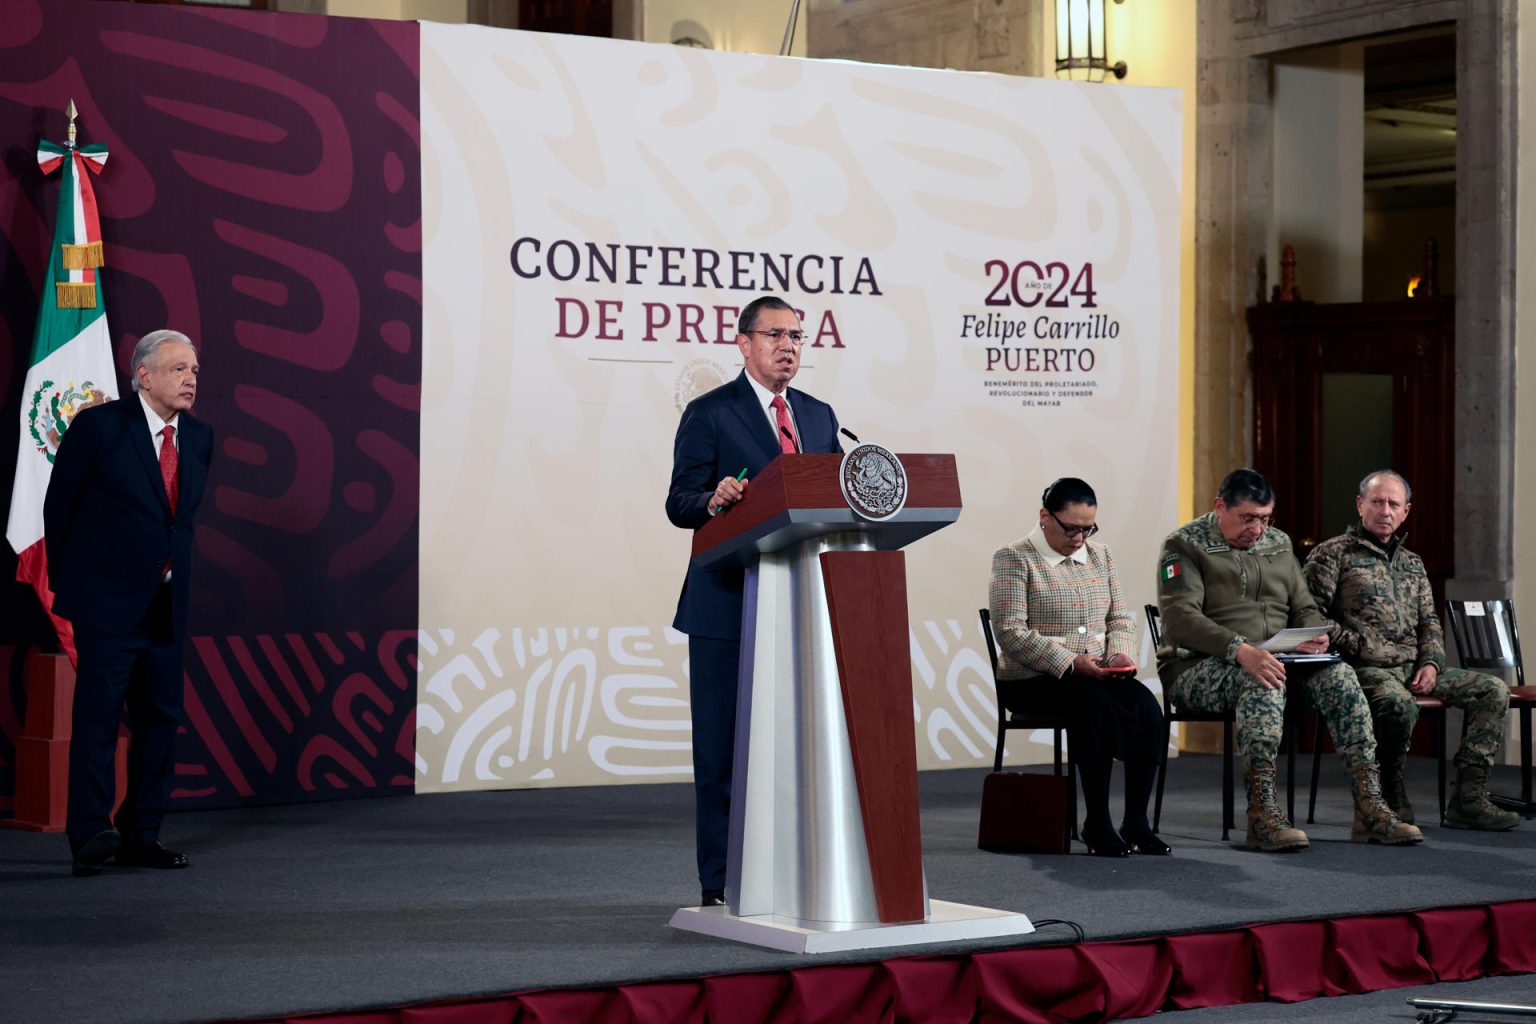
[(549, 571)]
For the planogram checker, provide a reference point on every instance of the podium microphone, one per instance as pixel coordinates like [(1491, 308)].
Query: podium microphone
[(851, 435), (785, 430)]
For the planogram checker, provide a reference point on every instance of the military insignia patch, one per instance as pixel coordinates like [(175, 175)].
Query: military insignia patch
[(1217, 549), (1171, 570), (52, 411)]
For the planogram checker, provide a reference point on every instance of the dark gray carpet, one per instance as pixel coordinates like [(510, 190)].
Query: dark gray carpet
[(380, 902)]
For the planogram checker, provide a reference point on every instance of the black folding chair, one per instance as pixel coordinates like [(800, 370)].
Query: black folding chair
[(1007, 721), (1172, 714), (1488, 638)]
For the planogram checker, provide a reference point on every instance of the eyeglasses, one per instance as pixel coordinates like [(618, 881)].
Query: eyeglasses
[(1250, 519), (796, 338), (1074, 531)]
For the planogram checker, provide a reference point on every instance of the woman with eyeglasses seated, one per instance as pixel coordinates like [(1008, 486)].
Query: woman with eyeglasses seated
[(1065, 640)]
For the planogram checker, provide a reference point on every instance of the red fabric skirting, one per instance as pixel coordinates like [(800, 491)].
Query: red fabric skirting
[(1286, 962)]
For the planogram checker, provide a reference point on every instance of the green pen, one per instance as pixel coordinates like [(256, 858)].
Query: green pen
[(739, 477)]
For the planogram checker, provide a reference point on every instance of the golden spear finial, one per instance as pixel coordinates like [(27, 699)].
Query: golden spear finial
[(71, 113)]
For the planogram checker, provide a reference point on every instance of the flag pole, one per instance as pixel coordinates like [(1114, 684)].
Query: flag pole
[(71, 366)]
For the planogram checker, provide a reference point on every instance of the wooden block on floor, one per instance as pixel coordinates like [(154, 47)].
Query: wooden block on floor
[(50, 696), (42, 784)]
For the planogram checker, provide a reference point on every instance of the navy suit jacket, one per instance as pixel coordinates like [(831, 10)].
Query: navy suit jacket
[(108, 524), (720, 433)]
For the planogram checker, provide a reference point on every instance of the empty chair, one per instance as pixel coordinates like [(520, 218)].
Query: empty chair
[(1487, 637)]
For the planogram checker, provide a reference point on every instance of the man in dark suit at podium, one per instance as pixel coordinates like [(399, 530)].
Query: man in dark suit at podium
[(126, 483), (724, 439)]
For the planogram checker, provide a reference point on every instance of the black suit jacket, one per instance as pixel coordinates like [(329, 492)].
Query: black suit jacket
[(108, 524), (720, 433)]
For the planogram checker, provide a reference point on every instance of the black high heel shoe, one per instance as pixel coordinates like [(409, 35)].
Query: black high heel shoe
[(1104, 844), (1144, 841)]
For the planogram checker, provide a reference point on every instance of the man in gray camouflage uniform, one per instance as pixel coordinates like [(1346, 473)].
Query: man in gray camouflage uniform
[(1227, 582), (1377, 592)]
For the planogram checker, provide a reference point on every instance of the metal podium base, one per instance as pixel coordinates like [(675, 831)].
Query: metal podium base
[(947, 922)]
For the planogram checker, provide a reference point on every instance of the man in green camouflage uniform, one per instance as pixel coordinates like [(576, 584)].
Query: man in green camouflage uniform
[(1227, 582), (1377, 592)]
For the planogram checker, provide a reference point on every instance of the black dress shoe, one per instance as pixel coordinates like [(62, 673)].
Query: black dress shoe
[(712, 898), (1105, 844), (152, 856), (95, 852), (1143, 840)]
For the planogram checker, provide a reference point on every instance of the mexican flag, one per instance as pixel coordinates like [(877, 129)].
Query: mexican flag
[(71, 360)]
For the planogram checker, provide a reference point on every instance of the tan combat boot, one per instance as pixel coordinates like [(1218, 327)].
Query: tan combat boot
[(1471, 808), (1374, 820), (1393, 790), (1268, 827)]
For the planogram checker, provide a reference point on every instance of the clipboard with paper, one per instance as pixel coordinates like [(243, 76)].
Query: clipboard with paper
[(1284, 643)]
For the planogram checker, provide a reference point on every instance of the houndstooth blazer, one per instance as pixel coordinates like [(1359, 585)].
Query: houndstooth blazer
[(1044, 615)]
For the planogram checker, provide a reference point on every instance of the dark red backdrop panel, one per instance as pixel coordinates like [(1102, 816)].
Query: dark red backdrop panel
[(262, 195)]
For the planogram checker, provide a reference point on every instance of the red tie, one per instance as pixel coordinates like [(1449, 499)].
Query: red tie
[(786, 428), (168, 464)]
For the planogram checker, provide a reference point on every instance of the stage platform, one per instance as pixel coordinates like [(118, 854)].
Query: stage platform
[(341, 906)]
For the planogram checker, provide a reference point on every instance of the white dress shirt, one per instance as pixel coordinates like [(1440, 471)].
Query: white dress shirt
[(1053, 557), (765, 399), (156, 425)]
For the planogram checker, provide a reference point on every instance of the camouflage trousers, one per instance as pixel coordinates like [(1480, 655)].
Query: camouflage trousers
[(1215, 685), (1485, 699)]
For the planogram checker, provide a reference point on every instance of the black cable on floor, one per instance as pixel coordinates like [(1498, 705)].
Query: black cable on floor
[(1077, 929)]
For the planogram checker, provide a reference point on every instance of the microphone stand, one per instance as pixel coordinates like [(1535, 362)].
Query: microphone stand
[(789, 30)]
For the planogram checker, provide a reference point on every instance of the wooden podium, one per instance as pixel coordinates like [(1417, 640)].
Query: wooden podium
[(42, 749), (825, 846)]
